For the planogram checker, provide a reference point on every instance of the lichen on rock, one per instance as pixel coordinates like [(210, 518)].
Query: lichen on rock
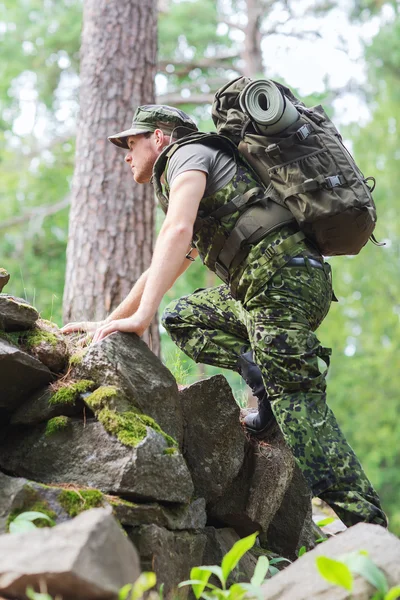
[(56, 424)]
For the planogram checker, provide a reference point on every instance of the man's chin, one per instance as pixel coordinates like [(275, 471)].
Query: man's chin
[(140, 178)]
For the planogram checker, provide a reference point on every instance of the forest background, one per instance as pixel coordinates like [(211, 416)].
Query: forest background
[(39, 82)]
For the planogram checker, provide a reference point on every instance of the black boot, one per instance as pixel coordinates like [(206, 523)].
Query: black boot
[(256, 423)]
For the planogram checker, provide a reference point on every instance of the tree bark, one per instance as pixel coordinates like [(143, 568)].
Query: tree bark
[(111, 232)]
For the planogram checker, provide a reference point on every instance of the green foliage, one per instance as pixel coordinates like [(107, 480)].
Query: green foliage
[(200, 576), (25, 521), (56, 424), (98, 399), (143, 584), (74, 502), (340, 572), (32, 595)]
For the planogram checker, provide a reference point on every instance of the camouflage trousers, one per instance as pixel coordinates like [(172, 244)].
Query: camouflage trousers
[(278, 325)]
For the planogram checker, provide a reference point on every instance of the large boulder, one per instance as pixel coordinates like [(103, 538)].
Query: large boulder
[(124, 361), (268, 485), (301, 580), (88, 558), (86, 455), (170, 554), (48, 345), (214, 440), (16, 314), (20, 376)]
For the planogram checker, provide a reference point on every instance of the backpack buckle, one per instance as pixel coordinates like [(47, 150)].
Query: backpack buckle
[(334, 181), (304, 131), (222, 271), (273, 150)]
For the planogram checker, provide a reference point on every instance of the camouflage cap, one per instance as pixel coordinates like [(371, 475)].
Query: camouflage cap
[(150, 117)]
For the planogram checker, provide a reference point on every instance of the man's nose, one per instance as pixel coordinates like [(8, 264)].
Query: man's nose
[(128, 157)]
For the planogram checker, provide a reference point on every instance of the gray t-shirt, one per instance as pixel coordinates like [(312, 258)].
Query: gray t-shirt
[(219, 165)]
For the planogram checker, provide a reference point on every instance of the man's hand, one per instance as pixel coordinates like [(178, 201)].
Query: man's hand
[(135, 324), (82, 326)]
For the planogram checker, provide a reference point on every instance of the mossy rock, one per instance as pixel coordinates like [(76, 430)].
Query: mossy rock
[(75, 502), (56, 424), (69, 392)]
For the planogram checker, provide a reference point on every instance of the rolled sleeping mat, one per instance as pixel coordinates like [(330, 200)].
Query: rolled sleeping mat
[(263, 101)]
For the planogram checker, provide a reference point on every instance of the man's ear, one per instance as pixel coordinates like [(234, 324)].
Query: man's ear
[(160, 138)]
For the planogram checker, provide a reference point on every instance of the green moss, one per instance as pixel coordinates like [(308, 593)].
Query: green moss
[(69, 393), (76, 502), (76, 358), (130, 427), (12, 337), (172, 450), (116, 501), (32, 502), (56, 424), (98, 399), (36, 336)]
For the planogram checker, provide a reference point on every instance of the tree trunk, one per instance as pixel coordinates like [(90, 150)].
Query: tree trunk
[(111, 230), (252, 53)]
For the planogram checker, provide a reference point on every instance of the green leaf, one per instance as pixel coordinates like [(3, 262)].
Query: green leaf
[(143, 583), (199, 577), (260, 571), (32, 516), (279, 559), (393, 593), (301, 551), (273, 571), (320, 540), (335, 572), (360, 563), (252, 591), (326, 521), (32, 595), (124, 591), (236, 591), (21, 526), (238, 550)]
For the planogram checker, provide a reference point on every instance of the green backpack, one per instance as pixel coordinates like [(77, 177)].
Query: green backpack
[(298, 154)]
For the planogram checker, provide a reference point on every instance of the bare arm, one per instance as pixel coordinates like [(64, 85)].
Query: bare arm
[(168, 261)]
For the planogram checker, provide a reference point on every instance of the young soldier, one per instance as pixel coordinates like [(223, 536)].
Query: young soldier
[(261, 322)]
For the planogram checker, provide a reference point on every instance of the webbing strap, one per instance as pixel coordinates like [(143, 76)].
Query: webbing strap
[(236, 203), (297, 137), (284, 248), (311, 185)]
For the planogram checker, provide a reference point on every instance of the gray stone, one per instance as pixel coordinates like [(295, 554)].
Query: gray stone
[(292, 526), (187, 516), (219, 542), (214, 439), (260, 499), (16, 314), (18, 494), (301, 580), (86, 455), (20, 376), (170, 554), (4, 278), (88, 558), (38, 410), (50, 349), (123, 360)]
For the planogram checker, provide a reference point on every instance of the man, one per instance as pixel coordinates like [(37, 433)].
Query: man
[(261, 322)]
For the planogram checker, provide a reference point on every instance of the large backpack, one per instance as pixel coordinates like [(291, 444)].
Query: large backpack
[(306, 169)]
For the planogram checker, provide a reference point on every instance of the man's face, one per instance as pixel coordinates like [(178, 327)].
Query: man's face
[(141, 156)]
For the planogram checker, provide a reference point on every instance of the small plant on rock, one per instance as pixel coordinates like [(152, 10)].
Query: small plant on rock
[(25, 521), (135, 591), (200, 576)]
